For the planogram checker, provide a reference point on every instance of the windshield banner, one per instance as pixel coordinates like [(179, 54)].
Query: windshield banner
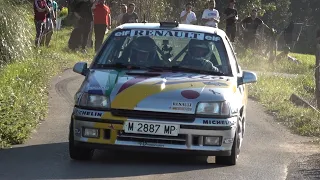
[(168, 33)]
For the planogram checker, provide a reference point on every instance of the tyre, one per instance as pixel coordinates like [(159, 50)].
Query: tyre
[(78, 153), (243, 126), (232, 159)]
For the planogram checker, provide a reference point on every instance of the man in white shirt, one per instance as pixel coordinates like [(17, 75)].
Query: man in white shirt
[(188, 16), (210, 16), (120, 16)]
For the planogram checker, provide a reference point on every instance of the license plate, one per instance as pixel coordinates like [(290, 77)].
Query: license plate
[(151, 128)]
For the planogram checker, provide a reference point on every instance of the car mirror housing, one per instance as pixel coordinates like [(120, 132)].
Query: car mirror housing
[(81, 68), (247, 77)]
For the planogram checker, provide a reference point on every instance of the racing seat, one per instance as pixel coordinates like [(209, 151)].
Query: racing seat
[(127, 52)]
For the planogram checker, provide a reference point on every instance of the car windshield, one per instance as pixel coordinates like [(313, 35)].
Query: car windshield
[(164, 49)]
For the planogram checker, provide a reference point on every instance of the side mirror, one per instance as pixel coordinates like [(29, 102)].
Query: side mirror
[(81, 68), (247, 77)]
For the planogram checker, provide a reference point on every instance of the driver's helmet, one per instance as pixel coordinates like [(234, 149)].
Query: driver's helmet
[(199, 50), (143, 49)]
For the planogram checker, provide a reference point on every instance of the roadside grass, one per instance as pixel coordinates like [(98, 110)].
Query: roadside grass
[(274, 90), (274, 93), (24, 87), (251, 60)]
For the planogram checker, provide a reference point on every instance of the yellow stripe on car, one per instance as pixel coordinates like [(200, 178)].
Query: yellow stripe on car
[(130, 97)]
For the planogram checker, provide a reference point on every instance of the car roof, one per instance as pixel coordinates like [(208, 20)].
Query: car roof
[(181, 27)]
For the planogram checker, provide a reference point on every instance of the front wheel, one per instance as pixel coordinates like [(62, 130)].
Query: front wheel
[(78, 153), (232, 159)]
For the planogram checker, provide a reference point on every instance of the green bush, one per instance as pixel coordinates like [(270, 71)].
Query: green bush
[(24, 88), (275, 86), (15, 31), (274, 93)]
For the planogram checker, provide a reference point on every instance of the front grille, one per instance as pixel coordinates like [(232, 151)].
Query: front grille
[(176, 140), (151, 115)]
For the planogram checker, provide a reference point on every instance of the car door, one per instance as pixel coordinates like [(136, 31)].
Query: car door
[(241, 92)]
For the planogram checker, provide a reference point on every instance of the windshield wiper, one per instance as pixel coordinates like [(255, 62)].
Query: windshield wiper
[(159, 68), (200, 71), (130, 66), (119, 66), (180, 68)]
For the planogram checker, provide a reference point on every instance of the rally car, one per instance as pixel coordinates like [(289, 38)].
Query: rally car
[(162, 87)]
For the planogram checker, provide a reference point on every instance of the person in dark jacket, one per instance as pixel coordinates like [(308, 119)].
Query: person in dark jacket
[(250, 26), (288, 34), (83, 12), (231, 19)]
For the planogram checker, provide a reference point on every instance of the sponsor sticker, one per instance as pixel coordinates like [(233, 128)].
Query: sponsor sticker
[(151, 144), (214, 83), (217, 122), (181, 106), (98, 88), (88, 113), (169, 33)]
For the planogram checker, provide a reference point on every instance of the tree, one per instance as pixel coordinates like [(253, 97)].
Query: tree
[(317, 70)]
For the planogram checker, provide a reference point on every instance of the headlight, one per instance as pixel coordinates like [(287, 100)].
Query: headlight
[(92, 100), (213, 108)]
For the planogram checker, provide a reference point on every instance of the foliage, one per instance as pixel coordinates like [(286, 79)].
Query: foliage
[(15, 31), (252, 60), (274, 93), (275, 86), (24, 88), (275, 13)]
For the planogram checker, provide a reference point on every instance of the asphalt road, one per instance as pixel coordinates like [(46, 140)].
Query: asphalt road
[(269, 151)]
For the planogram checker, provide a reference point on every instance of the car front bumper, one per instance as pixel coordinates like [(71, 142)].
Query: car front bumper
[(190, 138)]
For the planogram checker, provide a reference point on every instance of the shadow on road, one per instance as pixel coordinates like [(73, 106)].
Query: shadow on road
[(310, 169), (306, 168), (51, 161)]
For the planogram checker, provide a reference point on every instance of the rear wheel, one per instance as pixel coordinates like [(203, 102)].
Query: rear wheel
[(78, 153), (232, 159)]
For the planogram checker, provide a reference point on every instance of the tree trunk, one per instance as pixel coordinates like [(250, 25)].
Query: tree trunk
[(317, 70)]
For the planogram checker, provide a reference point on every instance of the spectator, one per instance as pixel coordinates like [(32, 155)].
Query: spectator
[(188, 16), (50, 22), (130, 16), (55, 10), (123, 12), (102, 22), (59, 18), (250, 26), (83, 13), (210, 16), (231, 19), (40, 8), (288, 34)]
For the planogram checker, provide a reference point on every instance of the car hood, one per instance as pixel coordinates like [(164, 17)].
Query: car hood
[(157, 91)]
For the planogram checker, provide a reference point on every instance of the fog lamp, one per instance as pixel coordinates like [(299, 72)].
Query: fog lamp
[(91, 133), (228, 141), (211, 141)]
